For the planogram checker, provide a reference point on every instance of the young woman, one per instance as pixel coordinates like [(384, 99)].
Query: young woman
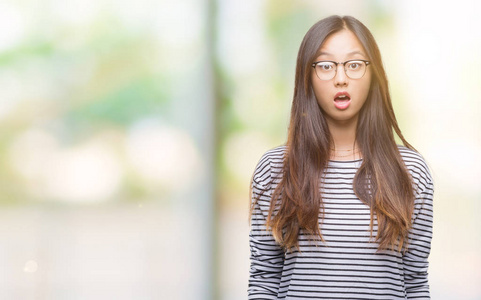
[(341, 211)]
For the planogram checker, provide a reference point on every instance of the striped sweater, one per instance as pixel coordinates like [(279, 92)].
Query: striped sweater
[(346, 266)]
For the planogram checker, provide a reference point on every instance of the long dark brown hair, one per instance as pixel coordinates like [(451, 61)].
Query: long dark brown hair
[(382, 182)]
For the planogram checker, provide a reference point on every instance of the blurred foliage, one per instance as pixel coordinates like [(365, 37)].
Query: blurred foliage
[(103, 76), (129, 102), (76, 82)]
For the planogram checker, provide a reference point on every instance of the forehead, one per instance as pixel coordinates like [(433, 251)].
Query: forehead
[(342, 45)]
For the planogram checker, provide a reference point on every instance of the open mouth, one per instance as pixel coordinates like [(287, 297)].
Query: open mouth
[(342, 100)]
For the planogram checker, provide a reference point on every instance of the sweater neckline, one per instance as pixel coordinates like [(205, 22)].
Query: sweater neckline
[(345, 162)]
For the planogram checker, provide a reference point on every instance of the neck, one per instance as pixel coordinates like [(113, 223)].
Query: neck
[(343, 134)]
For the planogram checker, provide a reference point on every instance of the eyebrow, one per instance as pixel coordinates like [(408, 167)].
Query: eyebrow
[(350, 53)]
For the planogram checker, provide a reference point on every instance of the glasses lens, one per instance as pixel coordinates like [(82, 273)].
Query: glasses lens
[(326, 70), (355, 69)]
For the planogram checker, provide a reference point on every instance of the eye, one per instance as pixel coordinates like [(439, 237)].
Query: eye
[(355, 65), (325, 66)]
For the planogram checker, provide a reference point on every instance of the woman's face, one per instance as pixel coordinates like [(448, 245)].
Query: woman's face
[(341, 98)]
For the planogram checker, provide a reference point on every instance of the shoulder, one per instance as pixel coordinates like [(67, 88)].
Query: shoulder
[(270, 166), (417, 167)]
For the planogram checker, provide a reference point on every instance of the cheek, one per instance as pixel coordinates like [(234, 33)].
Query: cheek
[(320, 92), (364, 89), (322, 96)]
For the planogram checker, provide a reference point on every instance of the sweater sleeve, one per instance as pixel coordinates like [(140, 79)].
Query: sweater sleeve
[(267, 258), (416, 258)]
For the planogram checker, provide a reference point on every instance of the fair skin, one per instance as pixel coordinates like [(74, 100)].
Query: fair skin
[(342, 120)]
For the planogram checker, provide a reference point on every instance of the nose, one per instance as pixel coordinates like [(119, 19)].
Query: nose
[(341, 78)]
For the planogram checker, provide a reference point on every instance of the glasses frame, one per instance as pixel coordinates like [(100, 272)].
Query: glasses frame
[(314, 64)]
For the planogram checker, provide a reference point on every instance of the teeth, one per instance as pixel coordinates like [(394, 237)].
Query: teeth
[(342, 97)]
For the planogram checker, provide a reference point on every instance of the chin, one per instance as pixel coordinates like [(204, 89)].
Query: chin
[(343, 117)]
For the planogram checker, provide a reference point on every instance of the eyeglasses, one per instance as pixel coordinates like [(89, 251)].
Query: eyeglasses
[(326, 69)]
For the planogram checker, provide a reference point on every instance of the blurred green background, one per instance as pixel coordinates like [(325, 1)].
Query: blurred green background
[(129, 131)]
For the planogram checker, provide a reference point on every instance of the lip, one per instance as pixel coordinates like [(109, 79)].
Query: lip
[(344, 103), (344, 93)]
